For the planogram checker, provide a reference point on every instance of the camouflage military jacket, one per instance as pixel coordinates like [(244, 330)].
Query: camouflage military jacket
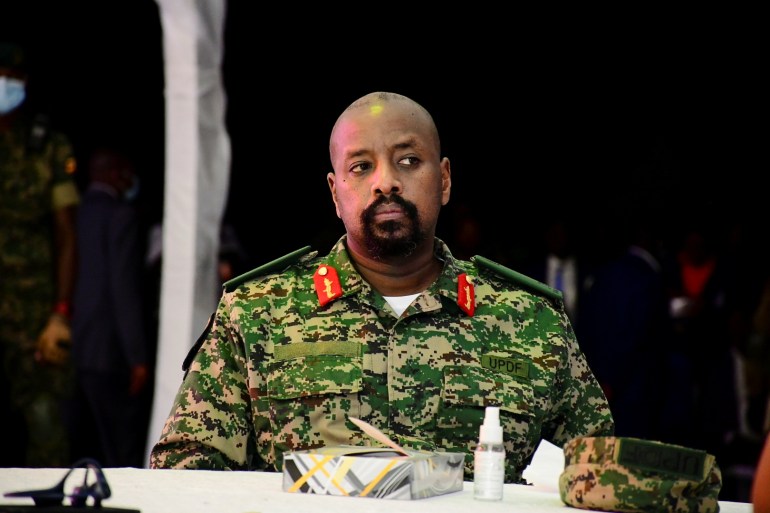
[(37, 167), (285, 362)]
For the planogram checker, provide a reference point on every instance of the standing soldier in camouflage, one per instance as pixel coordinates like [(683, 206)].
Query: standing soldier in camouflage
[(388, 327), (38, 196)]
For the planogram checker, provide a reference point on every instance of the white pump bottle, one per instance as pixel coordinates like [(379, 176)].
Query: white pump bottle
[(489, 458)]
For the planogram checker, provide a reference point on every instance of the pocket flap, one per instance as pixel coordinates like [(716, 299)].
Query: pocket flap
[(314, 375), (477, 386)]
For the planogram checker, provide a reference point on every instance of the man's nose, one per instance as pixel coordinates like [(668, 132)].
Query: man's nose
[(386, 180)]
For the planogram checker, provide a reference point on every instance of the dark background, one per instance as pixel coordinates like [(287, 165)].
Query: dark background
[(601, 122)]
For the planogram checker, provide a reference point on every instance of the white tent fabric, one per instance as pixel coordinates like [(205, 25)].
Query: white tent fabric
[(196, 185)]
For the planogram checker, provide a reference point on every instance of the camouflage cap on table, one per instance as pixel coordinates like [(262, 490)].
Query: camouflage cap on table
[(633, 475)]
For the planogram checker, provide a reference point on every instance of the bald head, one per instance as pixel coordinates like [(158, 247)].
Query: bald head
[(380, 105)]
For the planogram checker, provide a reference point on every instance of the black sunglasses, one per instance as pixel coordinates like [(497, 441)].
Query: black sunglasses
[(95, 488)]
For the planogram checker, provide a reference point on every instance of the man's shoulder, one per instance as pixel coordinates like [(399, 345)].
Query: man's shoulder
[(41, 132), (278, 265), (490, 269)]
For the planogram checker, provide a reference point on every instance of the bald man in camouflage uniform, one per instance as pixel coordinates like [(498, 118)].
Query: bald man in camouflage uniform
[(388, 327), (38, 196)]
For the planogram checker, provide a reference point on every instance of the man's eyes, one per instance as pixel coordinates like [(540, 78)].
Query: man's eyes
[(360, 168), (363, 167), (408, 161)]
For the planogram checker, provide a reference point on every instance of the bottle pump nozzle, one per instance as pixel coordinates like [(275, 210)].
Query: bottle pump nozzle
[(491, 431)]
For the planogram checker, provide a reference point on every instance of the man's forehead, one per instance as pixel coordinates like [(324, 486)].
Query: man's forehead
[(362, 133), (384, 117)]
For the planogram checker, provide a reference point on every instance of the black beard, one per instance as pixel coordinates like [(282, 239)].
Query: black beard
[(381, 239)]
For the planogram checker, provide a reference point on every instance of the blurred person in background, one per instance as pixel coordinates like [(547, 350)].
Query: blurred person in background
[(558, 265), (701, 408), (110, 411), (624, 322), (38, 201)]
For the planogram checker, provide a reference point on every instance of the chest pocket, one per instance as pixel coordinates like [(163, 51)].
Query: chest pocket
[(467, 387), (310, 398), (313, 375), (467, 391)]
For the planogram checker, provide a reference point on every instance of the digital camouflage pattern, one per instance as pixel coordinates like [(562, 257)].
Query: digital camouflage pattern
[(276, 372), (36, 176), (633, 475)]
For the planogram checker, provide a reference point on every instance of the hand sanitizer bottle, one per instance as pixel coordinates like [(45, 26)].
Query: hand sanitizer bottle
[(489, 458)]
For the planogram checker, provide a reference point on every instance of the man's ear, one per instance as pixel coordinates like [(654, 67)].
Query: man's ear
[(331, 180), (446, 180)]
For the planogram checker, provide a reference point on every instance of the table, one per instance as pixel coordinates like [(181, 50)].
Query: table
[(199, 491)]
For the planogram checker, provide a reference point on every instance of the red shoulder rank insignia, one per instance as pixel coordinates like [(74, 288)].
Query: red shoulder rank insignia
[(327, 284), (466, 296)]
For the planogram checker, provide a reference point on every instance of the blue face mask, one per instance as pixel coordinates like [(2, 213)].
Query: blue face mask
[(132, 192), (12, 94)]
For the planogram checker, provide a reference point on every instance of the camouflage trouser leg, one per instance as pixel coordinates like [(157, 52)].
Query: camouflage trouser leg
[(39, 393), (48, 444)]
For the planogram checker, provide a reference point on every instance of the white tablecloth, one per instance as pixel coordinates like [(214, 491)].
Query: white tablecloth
[(199, 491)]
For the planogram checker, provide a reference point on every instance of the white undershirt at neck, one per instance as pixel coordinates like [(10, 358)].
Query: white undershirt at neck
[(400, 303)]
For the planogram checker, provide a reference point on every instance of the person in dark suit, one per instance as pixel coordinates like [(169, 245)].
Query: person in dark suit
[(110, 412), (624, 330)]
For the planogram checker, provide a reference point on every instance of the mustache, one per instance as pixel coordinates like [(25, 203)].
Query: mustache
[(409, 207)]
